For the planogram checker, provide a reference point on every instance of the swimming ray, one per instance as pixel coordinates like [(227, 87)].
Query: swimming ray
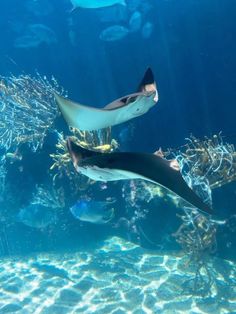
[(123, 166), (96, 4), (121, 110)]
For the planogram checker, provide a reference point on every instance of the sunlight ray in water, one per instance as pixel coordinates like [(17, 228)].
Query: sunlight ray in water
[(107, 280)]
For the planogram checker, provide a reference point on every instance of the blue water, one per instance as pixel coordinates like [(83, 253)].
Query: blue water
[(190, 47)]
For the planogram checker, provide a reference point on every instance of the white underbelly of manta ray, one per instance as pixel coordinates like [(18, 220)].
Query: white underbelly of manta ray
[(105, 174), (95, 120)]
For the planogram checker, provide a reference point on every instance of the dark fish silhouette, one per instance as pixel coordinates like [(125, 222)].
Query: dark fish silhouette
[(121, 166), (119, 111), (37, 215), (52, 270)]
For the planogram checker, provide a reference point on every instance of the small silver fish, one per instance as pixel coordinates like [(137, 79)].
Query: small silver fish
[(113, 33), (34, 35), (147, 30), (26, 41), (135, 22)]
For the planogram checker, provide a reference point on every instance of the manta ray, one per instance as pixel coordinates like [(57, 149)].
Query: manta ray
[(128, 165), (121, 110), (95, 4)]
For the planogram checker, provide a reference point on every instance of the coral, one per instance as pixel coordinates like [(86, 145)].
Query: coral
[(197, 237), (27, 110), (211, 159), (3, 172), (48, 196), (100, 140), (205, 165)]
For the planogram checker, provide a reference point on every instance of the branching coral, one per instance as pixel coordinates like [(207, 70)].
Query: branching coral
[(2, 175), (27, 113), (49, 197), (211, 159), (197, 237), (100, 141), (196, 234), (205, 164), (27, 110)]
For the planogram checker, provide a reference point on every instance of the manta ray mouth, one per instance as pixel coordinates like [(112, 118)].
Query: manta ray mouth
[(75, 157)]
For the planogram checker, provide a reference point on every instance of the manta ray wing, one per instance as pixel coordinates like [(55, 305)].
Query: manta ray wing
[(83, 117), (150, 167)]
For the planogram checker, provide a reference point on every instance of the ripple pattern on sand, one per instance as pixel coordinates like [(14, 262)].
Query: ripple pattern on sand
[(117, 278)]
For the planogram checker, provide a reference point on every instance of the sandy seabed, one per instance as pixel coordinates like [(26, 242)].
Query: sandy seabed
[(117, 278)]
